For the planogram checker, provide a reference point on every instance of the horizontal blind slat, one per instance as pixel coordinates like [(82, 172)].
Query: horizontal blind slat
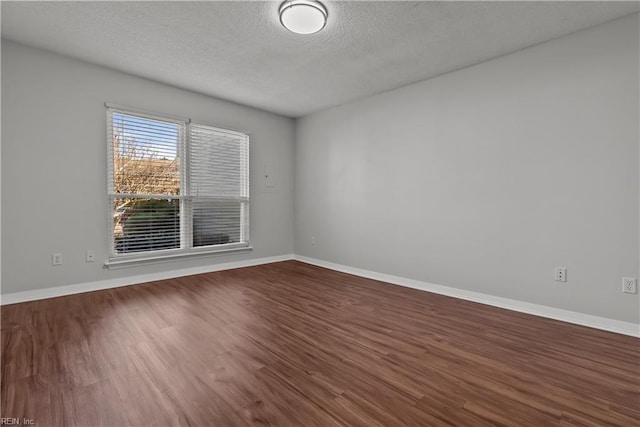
[(145, 155), (145, 183), (219, 185), (146, 225), (218, 161)]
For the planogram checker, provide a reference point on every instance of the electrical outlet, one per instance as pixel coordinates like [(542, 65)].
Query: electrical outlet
[(56, 259), (561, 274), (629, 285), (91, 256), (313, 240)]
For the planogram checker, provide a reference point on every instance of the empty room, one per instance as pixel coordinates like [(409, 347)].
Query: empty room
[(320, 213)]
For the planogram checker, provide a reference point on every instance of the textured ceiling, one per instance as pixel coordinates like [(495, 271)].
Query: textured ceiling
[(239, 51)]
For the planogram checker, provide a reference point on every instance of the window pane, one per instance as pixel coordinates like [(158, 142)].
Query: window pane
[(157, 208), (146, 225), (145, 155), (217, 223), (218, 163)]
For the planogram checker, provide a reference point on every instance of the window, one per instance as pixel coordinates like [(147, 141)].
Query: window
[(175, 187)]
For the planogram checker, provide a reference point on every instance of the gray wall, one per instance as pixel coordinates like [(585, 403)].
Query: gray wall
[(54, 166), (487, 178), (484, 179)]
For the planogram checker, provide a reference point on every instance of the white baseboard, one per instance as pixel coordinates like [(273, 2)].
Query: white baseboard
[(78, 288), (611, 325)]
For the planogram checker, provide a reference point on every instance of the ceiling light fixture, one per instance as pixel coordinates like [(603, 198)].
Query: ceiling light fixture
[(303, 16)]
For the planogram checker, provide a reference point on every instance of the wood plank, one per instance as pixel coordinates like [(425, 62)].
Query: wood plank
[(291, 344)]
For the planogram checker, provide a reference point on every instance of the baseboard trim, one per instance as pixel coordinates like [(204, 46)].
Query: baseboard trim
[(603, 323), (17, 297)]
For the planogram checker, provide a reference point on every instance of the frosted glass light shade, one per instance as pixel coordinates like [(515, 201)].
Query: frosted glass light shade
[(303, 16)]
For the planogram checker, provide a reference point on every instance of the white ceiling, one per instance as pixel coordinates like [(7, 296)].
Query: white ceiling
[(238, 50)]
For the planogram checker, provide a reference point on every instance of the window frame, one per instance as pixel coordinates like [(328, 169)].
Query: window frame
[(186, 248)]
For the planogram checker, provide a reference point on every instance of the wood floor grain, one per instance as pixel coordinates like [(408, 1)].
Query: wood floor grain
[(289, 344)]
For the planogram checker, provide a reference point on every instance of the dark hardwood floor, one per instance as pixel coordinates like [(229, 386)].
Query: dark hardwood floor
[(290, 344)]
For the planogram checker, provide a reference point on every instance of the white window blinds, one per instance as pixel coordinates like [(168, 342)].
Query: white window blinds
[(175, 186), (218, 185)]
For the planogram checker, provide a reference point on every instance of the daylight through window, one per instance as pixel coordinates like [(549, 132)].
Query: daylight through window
[(175, 187)]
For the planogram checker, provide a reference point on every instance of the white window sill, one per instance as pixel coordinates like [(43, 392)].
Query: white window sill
[(124, 262)]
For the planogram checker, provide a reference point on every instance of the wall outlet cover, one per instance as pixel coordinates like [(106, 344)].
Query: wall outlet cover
[(629, 285), (56, 259)]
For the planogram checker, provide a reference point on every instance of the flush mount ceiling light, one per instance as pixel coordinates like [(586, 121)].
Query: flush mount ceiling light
[(303, 16)]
